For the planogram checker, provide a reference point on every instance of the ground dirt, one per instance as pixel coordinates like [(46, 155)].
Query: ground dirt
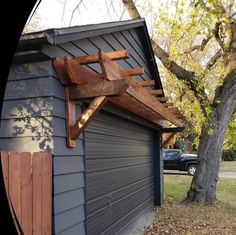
[(177, 219)]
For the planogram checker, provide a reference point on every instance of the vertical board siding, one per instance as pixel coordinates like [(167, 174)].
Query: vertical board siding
[(119, 179), (68, 167), (15, 183), (28, 184), (26, 192)]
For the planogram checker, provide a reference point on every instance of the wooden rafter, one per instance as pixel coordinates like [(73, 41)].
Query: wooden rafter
[(163, 99), (113, 55), (130, 72), (167, 104), (156, 92), (147, 83)]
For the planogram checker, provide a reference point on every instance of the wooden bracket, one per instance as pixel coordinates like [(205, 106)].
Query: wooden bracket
[(81, 83)]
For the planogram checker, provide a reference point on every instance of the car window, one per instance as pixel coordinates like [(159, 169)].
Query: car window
[(170, 155)]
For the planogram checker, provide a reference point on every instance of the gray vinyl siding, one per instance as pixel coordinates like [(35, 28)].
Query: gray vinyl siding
[(119, 157), (26, 122), (68, 168)]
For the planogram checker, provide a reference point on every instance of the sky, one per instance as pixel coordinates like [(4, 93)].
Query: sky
[(61, 13)]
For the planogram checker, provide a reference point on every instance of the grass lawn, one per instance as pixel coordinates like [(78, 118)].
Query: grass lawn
[(176, 219), (228, 166)]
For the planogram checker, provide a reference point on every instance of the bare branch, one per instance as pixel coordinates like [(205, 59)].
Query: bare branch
[(233, 15), (63, 11), (108, 11), (112, 5), (214, 59), (73, 12), (200, 47)]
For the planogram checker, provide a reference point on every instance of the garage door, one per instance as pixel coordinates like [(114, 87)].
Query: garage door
[(119, 174)]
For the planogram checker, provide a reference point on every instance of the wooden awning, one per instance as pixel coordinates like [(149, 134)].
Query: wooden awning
[(115, 85)]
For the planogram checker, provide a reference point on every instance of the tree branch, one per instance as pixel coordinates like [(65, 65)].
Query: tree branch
[(214, 59), (130, 6), (73, 12), (216, 32), (200, 47)]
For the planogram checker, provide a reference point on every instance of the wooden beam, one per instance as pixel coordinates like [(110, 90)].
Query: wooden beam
[(100, 88), (130, 104), (70, 118), (87, 116), (168, 139), (172, 129), (61, 71), (173, 109), (78, 74), (114, 55), (167, 104), (135, 71), (156, 92), (147, 83), (162, 99), (130, 72), (113, 71)]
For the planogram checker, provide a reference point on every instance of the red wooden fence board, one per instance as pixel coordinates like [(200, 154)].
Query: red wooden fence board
[(14, 182), (37, 193), (26, 193), (46, 194), (28, 183)]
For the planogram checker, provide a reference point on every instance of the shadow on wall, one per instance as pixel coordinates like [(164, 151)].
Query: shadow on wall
[(27, 111)]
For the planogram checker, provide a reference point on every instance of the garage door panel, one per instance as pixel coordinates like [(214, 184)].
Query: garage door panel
[(118, 211), (100, 183), (100, 202), (116, 131), (119, 172), (102, 164)]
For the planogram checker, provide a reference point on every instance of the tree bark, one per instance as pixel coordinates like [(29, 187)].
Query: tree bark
[(203, 186)]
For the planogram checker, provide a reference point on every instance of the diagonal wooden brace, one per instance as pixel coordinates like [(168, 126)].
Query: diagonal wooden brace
[(87, 116)]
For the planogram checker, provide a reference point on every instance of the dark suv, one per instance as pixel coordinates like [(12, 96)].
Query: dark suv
[(173, 159)]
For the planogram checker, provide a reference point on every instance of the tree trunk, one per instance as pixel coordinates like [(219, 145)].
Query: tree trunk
[(203, 186), (188, 148)]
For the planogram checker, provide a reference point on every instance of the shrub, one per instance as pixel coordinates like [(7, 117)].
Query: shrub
[(229, 155)]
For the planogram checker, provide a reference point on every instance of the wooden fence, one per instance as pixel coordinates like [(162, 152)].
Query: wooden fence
[(28, 183)]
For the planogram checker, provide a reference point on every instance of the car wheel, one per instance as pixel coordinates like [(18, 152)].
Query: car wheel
[(191, 169)]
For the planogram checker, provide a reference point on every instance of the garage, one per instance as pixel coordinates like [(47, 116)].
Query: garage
[(91, 96), (119, 174)]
